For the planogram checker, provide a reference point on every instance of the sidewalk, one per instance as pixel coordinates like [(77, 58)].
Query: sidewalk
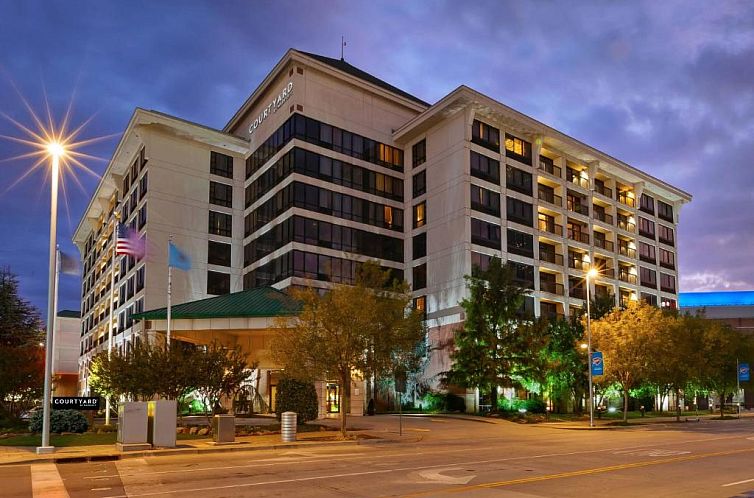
[(10, 455), (612, 424)]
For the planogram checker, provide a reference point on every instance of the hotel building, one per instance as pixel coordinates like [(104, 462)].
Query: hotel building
[(325, 166)]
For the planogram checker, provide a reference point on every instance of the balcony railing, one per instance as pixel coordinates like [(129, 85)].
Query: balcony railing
[(546, 165), (666, 240), (668, 264), (549, 226), (547, 196), (664, 288), (626, 225), (606, 272), (601, 189), (623, 198), (624, 276), (603, 217), (646, 233), (578, 208), (551, 287), (577, 292), (578, 264), (551, 257), (626, 251), (651, 284), (578, 236), (579, 181), (647, 258), (604, 244)]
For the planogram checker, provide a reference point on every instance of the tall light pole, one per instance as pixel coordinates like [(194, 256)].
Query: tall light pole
[(55, 150), (589, 275)]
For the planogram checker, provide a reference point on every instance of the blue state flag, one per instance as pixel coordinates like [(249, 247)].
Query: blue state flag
[(177, 258)]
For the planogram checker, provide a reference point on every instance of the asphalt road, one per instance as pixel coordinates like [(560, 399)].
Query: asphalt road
[(437, 457)]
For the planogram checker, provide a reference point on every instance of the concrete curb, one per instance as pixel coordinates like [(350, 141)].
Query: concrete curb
[(483, 420), (195, 451)]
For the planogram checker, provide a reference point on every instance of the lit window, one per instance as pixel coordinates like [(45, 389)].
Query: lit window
[(420, 215)]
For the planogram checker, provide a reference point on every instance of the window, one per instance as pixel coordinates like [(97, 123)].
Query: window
[(517, 149), (220, 194), (667, 282), (220, 224), (647, 277), (218, 253), (519, 211), (220, 164), (524, 274), (518, 180), (485, 135), (420, 214), (420, 245), (420, 276), (142, 216), (520, 243), (126, 185), (647, 204), (485, 234), (649, 298), (666, 235), (667, 259), (479, 262), (420, 183), (665, 211), (140, 279), (646, 228), (218, 283), (485, 200), (143, 186), (669, 303), (485, 167), (647, 252), (419, 153), (420, 305)]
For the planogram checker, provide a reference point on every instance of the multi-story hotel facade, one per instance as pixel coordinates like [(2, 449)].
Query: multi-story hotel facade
[(325, 166)]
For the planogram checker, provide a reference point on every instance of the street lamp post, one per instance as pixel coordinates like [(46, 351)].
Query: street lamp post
[(55, 150), (590, 274)]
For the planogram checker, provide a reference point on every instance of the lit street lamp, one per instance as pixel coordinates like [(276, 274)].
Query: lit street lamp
[(590, 274), (55, 151)]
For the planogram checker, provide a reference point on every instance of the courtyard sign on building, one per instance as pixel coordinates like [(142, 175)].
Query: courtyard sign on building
[(276, 103)]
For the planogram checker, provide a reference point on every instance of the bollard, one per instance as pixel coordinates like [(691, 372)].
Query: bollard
[(288, 427)]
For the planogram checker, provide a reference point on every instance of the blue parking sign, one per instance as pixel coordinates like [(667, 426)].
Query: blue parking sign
[(743, 372), (598, 365)]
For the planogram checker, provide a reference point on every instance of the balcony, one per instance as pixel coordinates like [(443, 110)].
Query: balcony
[(668, 264), (606, 273), (578, 208), (624, 198), (651, 284), (648, 258), (578, 236), (551, 257), (665, 288), (603, 217), (550, 197), (626, 225), (578, 180), (551, 287), (666, 240), (626, 251), (646, 233), (603, 244), (602, 190), (549, 226), (546, 165), (577, 263), (629, 278)]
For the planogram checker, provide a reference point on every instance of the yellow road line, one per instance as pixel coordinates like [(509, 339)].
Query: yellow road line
[(576, 473)]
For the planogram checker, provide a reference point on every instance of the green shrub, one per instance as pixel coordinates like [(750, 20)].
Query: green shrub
[(60, 421), (515, 405), (299, 397), (443, 402)]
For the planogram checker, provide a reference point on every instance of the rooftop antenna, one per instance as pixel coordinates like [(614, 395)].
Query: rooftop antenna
[(342, 47)]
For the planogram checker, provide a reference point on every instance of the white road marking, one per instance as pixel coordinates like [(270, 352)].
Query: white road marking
[(436, 476), (651, 452), (46, 481), (101, 489), (737, 482)]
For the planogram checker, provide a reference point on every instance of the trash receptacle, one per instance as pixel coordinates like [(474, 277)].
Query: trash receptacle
[(288, 427), (224, 429)]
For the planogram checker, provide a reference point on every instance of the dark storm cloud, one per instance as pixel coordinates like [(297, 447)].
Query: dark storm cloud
[(665, 86)]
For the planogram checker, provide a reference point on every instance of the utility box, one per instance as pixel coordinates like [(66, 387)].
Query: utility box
[(132, 426), (288, 427), (162, 416), (224, 429)]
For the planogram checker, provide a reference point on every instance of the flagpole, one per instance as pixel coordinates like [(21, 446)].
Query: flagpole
[(170, 288), (112, 313)]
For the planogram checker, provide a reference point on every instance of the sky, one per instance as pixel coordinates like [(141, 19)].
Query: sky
[(667, 87)]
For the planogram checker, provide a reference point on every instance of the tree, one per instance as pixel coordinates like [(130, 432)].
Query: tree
[(21, 357), (721, 348), (627, 338), (349, 331), (220, 372), (490, 349), (601, 304), (566, 361)]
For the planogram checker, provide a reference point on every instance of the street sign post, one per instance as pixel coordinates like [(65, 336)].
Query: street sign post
[(597, 363)]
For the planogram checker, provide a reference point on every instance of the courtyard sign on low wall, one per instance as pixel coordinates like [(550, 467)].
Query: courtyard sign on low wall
[(276, 103), (75, 403)]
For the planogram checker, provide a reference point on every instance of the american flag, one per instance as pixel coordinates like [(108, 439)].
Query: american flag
[(127, 242)]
